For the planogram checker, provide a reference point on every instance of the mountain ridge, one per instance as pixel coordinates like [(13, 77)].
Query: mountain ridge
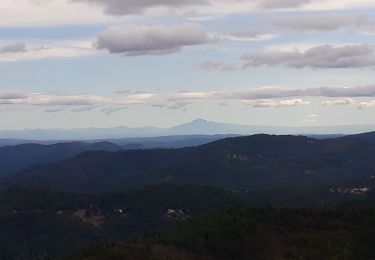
[(196, 127), (15, 158), (252, 162)]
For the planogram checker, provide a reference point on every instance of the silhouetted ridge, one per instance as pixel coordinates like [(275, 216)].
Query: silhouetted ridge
[(15, 158), (250, 163)]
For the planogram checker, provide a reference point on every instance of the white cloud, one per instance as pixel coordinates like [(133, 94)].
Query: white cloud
[(258, 97), (269, 103), (366, 104), (50, 100), (132, 40), (38, 51), (312, 118), (63, 100), (138, 99), (252, 35), (219, 65), (48, 13), (339, 102), (262, 93)]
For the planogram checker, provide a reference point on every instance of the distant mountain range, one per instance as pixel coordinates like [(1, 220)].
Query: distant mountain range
[(246, 163), (14, 158), (196, 127)]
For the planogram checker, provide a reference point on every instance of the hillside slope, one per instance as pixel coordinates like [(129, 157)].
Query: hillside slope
[(37, 223), (15, 158), (243, 163), (248, 233)]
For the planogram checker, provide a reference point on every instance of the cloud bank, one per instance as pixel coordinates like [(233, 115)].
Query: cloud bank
[(126, 7), (325, 22), (281, 4), (276, 103), (317, 57), (323, 56), (14, 52), (264, 97), (13, 48), (339, 102)]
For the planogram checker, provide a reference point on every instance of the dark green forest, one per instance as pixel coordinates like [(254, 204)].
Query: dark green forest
[(250, 233), (185, 221)]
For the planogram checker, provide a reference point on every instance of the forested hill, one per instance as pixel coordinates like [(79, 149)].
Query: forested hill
[(37, 224), (243, 163), (364, 136), (15, 158), (248, 233)]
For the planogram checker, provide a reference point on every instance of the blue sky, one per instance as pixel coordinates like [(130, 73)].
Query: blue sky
[(96, 63)]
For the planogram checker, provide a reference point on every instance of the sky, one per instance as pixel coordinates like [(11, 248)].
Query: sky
[(108, 63)]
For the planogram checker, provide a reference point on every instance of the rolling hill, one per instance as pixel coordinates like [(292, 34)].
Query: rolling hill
[(370, 136), (248, 233), (39, 224), (244, 163), (15, 158)]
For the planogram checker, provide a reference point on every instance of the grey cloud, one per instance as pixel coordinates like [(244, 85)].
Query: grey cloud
[(54, 110), (325, 22), (8, 102), (282, 4), (278, 92), (126, 7), (14, 47), (110, 110), (324, 56), (13, 95), (264, 93), (132, 40), (121, 92), (158, 105), (84, 108), (179, 105)]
